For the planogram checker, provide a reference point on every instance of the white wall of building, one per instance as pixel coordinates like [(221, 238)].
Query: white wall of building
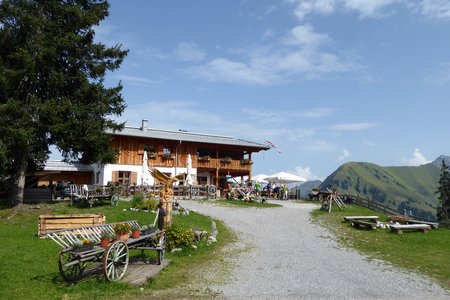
[(104, 172)]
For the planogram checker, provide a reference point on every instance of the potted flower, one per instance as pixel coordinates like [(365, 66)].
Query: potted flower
[(135, 231), (151, 155), (226, 160), (204, 158), (122, 231), (105, 238), (84, 245)]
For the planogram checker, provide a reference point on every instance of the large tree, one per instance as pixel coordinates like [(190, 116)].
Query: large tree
[(443, 192), (52, 88)]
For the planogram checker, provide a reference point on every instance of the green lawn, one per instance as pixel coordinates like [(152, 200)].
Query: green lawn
[(242, 203), (424, 253), (29, 265)]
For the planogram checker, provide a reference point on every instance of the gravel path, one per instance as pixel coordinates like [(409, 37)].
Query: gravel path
[(287, 257)]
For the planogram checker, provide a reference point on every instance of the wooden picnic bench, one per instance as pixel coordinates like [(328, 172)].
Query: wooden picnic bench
[(399, 228), (432, 224), (74, 261), (367, 218), (365, 224)]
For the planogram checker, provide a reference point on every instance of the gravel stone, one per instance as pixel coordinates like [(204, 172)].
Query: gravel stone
[(282, 255)]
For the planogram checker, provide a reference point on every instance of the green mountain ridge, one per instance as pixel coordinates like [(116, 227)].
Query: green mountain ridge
[(409, 189)]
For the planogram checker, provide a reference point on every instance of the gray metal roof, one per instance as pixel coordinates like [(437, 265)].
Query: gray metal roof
[(188, 137), (58, 165)]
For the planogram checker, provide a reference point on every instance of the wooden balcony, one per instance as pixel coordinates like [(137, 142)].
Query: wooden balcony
[(221, 163)]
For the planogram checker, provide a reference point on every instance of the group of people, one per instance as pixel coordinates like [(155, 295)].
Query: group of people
[(271, 190)]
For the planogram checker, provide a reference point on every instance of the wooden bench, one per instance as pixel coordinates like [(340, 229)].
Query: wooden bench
[(432, 224), (49, 223), (365, 224), (367, 218), (411, 227)]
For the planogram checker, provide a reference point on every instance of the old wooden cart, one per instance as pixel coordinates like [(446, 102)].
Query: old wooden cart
[(93, 194), (114, 258)]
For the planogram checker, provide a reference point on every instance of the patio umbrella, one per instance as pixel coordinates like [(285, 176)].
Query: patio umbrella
[(189, 170), (146, 177), (284, 177), (261, 178)]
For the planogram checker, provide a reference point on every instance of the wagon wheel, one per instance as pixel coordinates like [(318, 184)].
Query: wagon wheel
[(212, 189), (69, 269), (161, 252), (115, 260), (115, 199)]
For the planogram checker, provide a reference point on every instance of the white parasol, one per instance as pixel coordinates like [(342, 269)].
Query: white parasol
[(189, 170), (261, 178), (146, 177), (284, 177)]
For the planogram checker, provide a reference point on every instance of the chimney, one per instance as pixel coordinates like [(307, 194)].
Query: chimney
[(144, 125)]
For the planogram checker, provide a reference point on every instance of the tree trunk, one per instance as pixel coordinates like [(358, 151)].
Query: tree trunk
[(18, 187)]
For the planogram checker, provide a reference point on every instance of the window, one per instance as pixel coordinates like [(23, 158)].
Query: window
[(124, 177), (166, 150)]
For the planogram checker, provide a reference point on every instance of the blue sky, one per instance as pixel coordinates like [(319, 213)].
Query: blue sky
[(326, 81)]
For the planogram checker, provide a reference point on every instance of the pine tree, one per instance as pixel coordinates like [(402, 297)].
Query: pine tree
[(443, 192), (51, 85)]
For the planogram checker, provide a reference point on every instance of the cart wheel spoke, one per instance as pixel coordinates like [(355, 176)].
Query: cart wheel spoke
[(72, 272), (115, 260)]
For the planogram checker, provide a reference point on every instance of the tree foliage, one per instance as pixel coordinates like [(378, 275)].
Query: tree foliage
[(443, 192), (52, 85)]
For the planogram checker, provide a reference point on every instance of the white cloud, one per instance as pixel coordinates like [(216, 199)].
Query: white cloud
[(353, 126), (306, 7), (304, 36), (365, 8), (299, 53), (417, 159), (368, 8), (439, 9), (189, 51), (345, 154), (305, 173), (136, 80)]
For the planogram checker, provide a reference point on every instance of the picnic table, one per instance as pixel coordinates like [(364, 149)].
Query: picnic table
[(74, 261), (399, 228), (432, 224), (367, 218)]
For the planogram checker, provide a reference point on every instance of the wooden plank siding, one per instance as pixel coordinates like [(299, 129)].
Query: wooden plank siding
[(132, 151)]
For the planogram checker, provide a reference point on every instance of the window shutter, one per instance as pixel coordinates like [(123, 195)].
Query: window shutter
[(133, 179), (115, 176)]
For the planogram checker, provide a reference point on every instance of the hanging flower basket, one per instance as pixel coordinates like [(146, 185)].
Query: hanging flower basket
[(204, 158), (168, 156), (246, 162), (226, 160)]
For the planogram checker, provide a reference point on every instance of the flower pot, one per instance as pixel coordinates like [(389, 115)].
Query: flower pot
[(135, 234), (104, 242), (122, 236)]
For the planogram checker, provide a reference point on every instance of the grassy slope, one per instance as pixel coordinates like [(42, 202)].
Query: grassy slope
[(29, 263), (424, 253), (389, 185)]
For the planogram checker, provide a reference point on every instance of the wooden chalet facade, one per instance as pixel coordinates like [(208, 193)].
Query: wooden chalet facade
[(214, 157)]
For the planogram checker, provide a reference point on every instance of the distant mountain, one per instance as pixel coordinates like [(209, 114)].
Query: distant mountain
[(306, 187), (401, 188), (438, 161)]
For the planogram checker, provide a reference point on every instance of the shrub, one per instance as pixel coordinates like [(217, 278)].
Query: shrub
[(122, 228), (137, 200), (149, 204), (178, 237)]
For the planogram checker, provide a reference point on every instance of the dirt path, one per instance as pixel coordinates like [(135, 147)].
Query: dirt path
[(282, 255)]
